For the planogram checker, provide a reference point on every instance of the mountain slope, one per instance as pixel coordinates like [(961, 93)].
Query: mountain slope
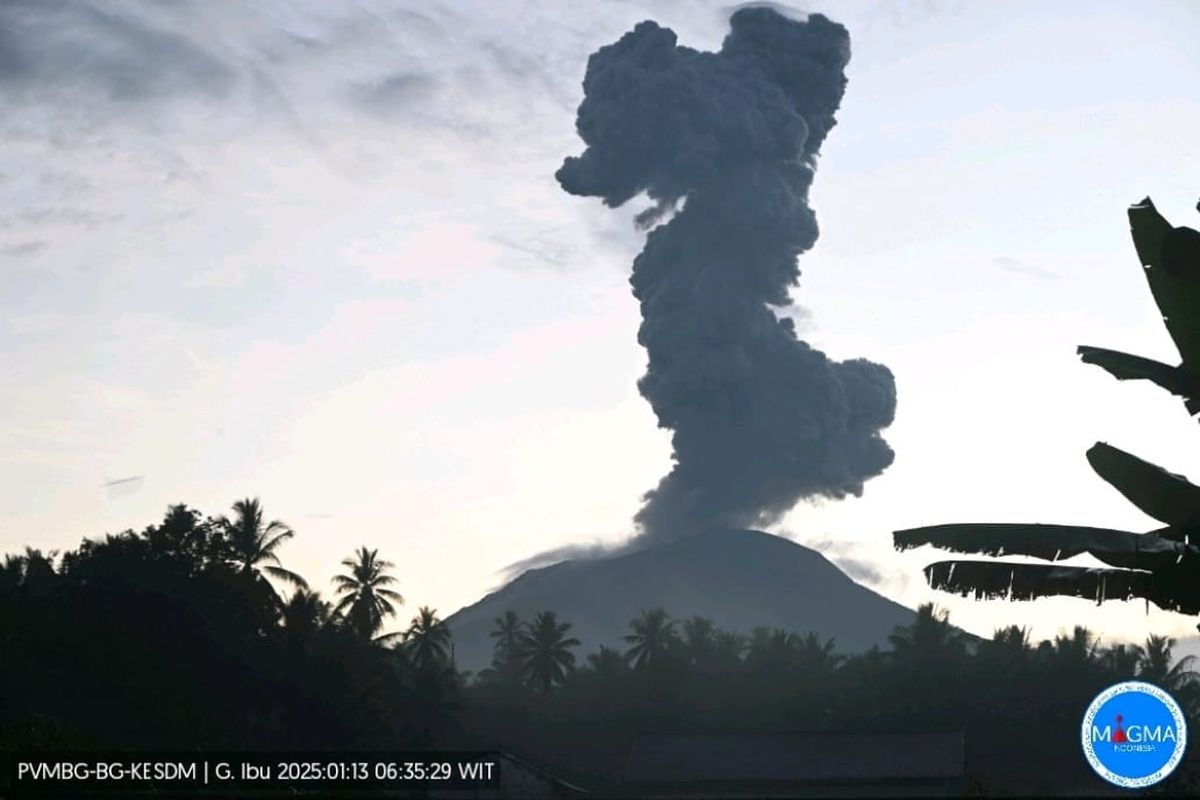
[(739, 578)]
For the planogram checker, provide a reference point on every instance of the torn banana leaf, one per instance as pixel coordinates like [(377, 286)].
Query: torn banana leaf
[(1172, 590), (1149, 551), (1126, 367), (1171, 257), (1167, 497)]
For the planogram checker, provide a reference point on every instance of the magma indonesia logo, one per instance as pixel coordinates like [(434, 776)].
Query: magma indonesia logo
[(1134, 734)]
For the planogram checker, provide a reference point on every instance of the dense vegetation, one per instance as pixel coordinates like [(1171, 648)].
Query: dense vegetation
[(191, 633), (180, 636), (1021, 702)]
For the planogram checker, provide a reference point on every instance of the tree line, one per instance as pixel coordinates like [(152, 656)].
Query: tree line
[(539, 655), (191, 633), (1019, 700)]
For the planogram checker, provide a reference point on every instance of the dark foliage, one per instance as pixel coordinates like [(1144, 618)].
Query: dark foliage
[(1161, 566), (164, 639), (176, 637), (700, 679)]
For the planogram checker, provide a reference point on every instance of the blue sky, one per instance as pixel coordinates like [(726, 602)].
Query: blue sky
[(315, 252)]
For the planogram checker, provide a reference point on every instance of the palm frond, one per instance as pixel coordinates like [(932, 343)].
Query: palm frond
[(276, 540), (390, 594), (1050, 542), (345, 583), (286, 575), (1167, 497)]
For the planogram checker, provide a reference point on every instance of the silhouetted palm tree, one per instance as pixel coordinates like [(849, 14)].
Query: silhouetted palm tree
[(365, 598), (606, 664), (815, 657), (508, 633), (1122, 659), (545, 652), (428, 640), (1079, 648), (1012, 639), (1155, 665), (304, 615), (253, 543), (728, 648), (652, 638), (698, 633), (929, 637)]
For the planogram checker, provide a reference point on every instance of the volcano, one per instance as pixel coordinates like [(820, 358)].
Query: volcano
[(739, 578)]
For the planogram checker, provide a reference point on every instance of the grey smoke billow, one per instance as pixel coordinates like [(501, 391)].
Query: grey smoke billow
[(725, 143)]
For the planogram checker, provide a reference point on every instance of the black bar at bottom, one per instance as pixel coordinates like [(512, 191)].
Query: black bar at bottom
[(34, 773)]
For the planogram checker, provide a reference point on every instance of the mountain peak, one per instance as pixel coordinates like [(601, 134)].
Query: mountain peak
[(737, 577)]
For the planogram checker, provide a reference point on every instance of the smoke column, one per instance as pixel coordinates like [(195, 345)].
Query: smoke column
[(725, 144)]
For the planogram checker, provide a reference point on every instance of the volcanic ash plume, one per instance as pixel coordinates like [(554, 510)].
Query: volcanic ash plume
[(725, 144)]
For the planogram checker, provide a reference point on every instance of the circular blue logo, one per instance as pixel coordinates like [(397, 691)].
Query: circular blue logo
[(1134, 734)]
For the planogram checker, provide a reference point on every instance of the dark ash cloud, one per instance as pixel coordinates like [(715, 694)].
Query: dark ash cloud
[(725, 144)]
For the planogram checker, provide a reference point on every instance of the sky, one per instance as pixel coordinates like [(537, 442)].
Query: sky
[(315, 253)]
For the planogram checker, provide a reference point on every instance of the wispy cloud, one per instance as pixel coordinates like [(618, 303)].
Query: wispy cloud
[(1018, 267), (26, 248)]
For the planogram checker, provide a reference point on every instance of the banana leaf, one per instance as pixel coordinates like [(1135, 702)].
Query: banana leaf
[(1171, 257), (1167, 497), (1124, 367), (1149, 551), (1172, 590)]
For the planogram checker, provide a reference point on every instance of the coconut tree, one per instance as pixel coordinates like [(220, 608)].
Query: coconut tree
[(365, 598), (1158, 666), (652, 637), (1077, 649), (1121, 659), (1161, 565), (929, 638), (728, 648), (771, 651), (508, 631), (545, 652), (606, 664), (428, 640), (698, 633), (304, 615), (815, 656), (1010, 643), (253, 544)]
